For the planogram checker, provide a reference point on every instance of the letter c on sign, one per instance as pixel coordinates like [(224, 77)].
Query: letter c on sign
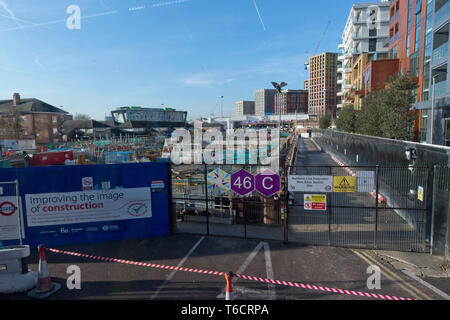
[(264, 183)]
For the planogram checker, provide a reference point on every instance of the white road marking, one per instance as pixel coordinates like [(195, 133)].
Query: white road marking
[(426, 284), (269, 271), (170, 276)]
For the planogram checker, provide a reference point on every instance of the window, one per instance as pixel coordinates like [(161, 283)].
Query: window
[(372, 45), (394, 52), (54, 119), (373, 32), (55, 131), (418, 29)]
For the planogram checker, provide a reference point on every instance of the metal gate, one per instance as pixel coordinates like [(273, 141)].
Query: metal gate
[(201, 211), (388, 208)]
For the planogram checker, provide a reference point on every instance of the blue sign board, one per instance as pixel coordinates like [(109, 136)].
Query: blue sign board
[(82, 204)]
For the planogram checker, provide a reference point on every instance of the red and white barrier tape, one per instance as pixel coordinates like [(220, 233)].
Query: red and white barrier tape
[(216, 273), (339, 162)]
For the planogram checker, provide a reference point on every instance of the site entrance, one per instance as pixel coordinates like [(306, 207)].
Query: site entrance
[(362, 207)]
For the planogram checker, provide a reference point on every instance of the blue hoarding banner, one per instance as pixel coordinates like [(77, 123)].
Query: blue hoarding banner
[(81, 204)]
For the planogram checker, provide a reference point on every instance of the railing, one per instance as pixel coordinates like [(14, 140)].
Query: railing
[(440, 88), (440, 52), (442, 12)]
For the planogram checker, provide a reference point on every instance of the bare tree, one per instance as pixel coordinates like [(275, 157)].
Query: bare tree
[(81, 116)]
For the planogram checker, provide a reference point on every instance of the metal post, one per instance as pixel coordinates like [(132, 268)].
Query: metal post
[(245, 218), (286, 205), (433, 207), (19, 215), (377, 171), (206, 197), (329, 211), (428, 226)]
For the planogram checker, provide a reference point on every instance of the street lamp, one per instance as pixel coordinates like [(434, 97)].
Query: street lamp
[(278, 87), (433, 101), (221, 105)]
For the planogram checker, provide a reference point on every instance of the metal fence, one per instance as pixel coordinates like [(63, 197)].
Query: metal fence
[(391, 207), (202, 211), (383, 214)]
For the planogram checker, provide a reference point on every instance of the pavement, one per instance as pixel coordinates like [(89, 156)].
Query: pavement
[(340, 268), (421, 264)]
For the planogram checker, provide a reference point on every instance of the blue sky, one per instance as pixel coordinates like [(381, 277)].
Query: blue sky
[(181, 53)]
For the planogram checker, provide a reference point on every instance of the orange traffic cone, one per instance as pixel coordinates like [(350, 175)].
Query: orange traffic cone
[(45, 287), (229, 293)]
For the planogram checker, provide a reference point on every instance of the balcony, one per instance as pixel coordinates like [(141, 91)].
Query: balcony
[(440, 89), (440, 53), (442, 14)]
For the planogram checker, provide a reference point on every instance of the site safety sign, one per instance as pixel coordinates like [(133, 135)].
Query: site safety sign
[(315, 202), (305, 183), (420, 192), (344, 184)]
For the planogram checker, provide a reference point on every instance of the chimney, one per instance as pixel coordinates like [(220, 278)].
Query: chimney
[(16, 99)]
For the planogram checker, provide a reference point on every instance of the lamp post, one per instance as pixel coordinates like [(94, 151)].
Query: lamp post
[(221, 105), (278, 87)]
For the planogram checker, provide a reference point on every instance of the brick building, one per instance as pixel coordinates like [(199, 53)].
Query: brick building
[(31, 119), (322, 85), (292, 102), (419, 34)]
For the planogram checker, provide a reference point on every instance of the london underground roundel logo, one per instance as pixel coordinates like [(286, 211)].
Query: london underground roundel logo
[(7, 208)]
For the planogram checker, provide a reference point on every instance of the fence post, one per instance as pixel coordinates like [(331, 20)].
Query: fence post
[(433, 206), (206, 197), (172, 208), (329, 203), (377, 173), (286, 206), (428, 218), (19, 213)]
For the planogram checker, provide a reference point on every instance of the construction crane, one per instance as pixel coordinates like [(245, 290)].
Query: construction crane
[(318, 45)]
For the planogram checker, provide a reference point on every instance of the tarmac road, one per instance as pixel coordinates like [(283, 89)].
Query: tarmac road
[(326, 266)]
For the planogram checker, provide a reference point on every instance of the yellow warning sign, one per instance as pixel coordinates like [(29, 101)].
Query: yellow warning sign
[(344, 184), (319, 198)]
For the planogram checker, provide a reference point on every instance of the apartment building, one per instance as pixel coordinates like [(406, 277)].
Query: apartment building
[(369, 75), (419, 34), (366, 31), (291, 102), (322, 85), (243, 108), (31, 119), (265, 102)]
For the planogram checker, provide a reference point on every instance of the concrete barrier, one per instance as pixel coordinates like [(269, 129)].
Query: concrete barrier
[(14, 275)]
